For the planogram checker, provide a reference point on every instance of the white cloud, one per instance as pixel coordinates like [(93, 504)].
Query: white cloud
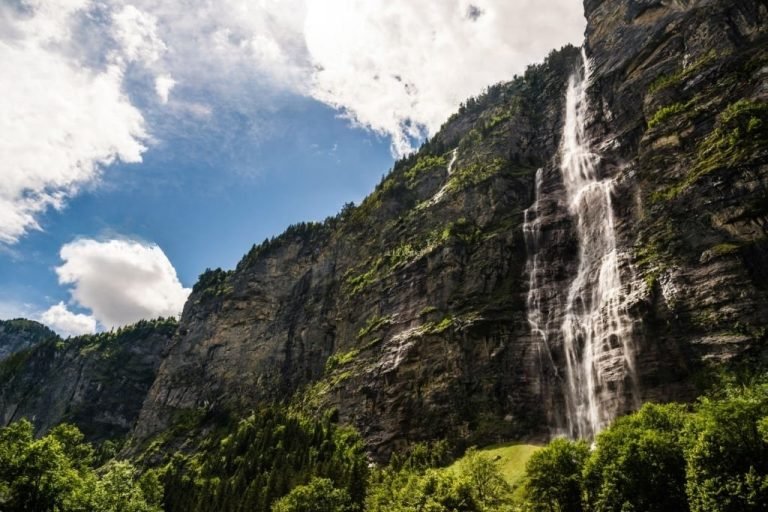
[(66, 323), (163, 86), (398, 67), (121, 281), (136, 33), (61, 122), (402, 67)]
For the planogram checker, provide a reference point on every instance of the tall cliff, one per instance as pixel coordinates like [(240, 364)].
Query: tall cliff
[(97, 382), (410, 313)]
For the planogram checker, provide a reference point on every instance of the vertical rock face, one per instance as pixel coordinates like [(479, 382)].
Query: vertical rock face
[(680, 95), (406, 313), (411, 314), (96, 382)]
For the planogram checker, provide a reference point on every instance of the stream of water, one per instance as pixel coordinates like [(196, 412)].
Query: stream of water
[(596, 329)]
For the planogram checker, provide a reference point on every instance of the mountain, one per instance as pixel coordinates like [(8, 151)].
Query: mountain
[(412, 313), (20, 334), (582, 239), (97, 382)]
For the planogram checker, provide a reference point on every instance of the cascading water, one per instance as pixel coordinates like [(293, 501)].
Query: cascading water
[(538, 320), (595, 329)]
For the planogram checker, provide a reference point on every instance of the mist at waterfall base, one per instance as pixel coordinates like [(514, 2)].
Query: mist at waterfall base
[(594, 334)]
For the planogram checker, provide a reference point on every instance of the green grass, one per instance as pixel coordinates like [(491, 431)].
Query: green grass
[(511, 458), (665, 113)]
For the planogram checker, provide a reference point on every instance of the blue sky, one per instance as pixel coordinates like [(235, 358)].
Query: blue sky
[(144, 141), (205, 198)]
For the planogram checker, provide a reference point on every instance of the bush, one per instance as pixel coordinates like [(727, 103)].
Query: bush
[(319, 495), (554, 477)]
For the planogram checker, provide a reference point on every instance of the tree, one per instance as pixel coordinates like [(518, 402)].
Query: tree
[(319, 495), (488, 487), (727, 453), (638, 463), (554, 477), (120, 490), (55, 473), (46, 474)]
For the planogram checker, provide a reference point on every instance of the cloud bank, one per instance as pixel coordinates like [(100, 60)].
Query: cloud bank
[(119, 281), (398, 67), (81, 77), (402, 67)]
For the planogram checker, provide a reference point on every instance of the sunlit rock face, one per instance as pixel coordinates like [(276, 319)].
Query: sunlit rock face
[(577, 241)]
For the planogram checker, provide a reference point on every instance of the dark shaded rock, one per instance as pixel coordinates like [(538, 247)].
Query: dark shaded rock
[(98, 382), (21, 334)]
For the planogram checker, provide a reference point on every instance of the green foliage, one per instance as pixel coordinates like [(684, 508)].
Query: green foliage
[(437, 327), (11, 365), (212, 283), (497, 118), (464, 177), (668, 80), (554, 477), (356, 283), (511, 459), (373, 324), (319, 495), (638, 463), (340, 359), (268, 454), (26, 328), (712, 457), (56, 473), (389, 261), (302, 232), (739, 138), (121, 490), (725, 249), (423, 164), (413, 482), (664, 113), (727, 452)]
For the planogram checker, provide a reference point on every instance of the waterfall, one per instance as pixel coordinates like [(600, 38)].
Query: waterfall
[(593, 327), (596, 329), (538, 320)]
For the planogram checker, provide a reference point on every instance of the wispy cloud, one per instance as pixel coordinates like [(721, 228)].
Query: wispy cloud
[(61, 121)]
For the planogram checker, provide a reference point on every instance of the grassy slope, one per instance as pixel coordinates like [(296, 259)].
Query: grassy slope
[(511, 458)]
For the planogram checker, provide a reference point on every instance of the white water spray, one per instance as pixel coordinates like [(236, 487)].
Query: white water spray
[(590, 322), (596, 329), (538, 320), (444, 189)]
